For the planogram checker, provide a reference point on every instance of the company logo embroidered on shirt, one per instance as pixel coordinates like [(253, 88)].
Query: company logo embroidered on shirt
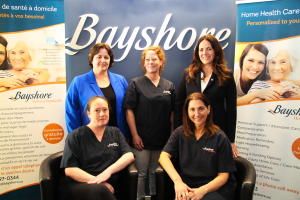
[(168, 92), (113, 145), (209, 150)]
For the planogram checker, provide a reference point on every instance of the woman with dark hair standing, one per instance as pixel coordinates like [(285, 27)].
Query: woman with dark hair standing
[(208, 74), (99, 81), (150, 103), (204, 152)]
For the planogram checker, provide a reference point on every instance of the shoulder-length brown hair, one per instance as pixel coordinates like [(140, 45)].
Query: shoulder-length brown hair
[(95, 50), (219, 63), (160, 54), (189, 126)]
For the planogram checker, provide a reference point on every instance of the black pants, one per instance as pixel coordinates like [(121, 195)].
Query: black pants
[(86, 191)]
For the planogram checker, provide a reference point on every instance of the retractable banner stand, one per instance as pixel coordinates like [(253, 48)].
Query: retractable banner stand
[(32, 124), (268, 131), (130, 26)]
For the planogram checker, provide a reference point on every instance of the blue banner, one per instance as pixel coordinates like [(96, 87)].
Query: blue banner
[(23, 15), (265, 21)]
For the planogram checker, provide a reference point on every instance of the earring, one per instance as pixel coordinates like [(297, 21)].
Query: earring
[(267, 72)]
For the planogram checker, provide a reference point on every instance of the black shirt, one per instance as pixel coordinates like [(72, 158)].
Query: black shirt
[(152, 108), (83, 150), (201, 161), (110, 95)]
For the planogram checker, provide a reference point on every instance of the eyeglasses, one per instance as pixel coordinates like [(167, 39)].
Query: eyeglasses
[(153, 59)]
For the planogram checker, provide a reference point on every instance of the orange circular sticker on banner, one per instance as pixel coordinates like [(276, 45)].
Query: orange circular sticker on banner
[(296, 148), (53, 133)]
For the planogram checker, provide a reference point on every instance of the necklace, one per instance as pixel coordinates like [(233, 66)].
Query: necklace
[(156, 80)]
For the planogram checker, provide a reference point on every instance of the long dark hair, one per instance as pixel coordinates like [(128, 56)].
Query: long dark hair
[(4, 65), (189, 126), (219, 63)]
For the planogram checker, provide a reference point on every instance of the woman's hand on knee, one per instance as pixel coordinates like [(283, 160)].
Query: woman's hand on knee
[(101, 178), (182, 190), (197, 194), (111, 189)]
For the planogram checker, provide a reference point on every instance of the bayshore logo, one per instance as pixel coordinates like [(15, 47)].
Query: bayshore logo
[(284, 111), (209, 149), (37, 95)]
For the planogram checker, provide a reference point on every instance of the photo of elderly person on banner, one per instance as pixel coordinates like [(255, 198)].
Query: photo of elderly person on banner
[(19, 55), (281, 62), (98, 81)]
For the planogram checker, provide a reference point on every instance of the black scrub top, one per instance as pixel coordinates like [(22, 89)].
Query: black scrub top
[(152, 108), (83, 150), (201, 161)]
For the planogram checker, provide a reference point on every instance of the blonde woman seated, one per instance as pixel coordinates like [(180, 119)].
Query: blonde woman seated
[(281, 63), (93, 156), (204, 152)]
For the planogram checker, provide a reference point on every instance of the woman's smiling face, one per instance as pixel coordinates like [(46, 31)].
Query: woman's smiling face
[(253, 64), (2, 54), (19, 56), (280, 66), (206, 52)]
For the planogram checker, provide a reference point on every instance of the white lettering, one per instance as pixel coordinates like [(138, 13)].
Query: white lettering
[(73, 43), (146, 37), (221, 36)]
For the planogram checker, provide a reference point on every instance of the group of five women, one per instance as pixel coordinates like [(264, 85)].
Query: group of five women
[(145, 113), (151, 109)]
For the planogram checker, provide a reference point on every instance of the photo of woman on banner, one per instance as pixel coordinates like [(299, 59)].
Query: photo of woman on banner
[(281, 62), (205, 155), (19, 54), (252, 67), (149, 101), (3, 53), (7, 82), (93, 156), (98, 81), (208, 74)]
